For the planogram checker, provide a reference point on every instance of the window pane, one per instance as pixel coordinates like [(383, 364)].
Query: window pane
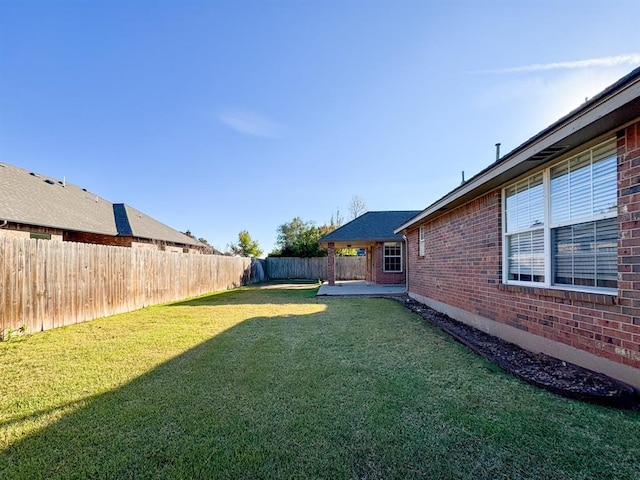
[(585, 185), (586, 254), (526, 256), (525, 204), (392, 264)]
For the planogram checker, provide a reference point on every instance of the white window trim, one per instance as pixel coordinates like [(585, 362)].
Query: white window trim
[(422, 240), (384, 256), (546, 183)]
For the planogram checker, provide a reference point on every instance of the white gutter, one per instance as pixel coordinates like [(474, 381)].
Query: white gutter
[(406, 268)]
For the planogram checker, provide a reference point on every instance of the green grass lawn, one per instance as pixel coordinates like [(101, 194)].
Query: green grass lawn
[(275, 383)]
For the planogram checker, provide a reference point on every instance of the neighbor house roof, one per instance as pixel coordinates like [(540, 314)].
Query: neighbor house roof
[(369, 227), (143, 226), (34, 199), (602, 115)]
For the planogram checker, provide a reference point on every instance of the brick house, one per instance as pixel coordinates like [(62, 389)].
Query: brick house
[(36, 206), (385, 250), (542, 248)]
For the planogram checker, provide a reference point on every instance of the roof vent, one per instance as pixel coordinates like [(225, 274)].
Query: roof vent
[(547, 153), (33, 174), (50, 182)]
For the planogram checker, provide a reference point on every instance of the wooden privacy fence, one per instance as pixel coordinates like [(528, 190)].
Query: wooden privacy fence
[(47, 284), (346, 268)]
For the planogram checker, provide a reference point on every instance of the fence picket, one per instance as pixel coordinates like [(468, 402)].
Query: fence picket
[(346, 268), (47, 284)]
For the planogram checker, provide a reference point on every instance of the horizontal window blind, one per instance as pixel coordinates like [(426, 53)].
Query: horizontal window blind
[(586, 254), (584, 186), (526, 256), (525, 204)]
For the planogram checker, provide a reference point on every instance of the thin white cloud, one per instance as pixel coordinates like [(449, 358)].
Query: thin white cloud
[(250, 123), (632, 59)]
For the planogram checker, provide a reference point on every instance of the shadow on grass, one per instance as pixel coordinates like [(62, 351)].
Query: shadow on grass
[(204, 414)]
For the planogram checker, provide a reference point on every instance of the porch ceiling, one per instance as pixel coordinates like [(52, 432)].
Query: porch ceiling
[(349, 244)]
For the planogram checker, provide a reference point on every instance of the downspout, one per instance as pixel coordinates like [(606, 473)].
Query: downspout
[(406, 268), (3, 223)]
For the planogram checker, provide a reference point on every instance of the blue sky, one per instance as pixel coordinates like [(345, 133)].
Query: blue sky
[(223, 116)]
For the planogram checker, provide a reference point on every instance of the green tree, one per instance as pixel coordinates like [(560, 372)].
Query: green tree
[(246, 246), (299, 238), (288, 233)]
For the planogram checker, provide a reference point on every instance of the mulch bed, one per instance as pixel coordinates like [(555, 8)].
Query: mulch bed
[(537, 369)]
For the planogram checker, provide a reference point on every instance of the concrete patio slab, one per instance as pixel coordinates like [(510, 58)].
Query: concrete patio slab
[(360, 287)]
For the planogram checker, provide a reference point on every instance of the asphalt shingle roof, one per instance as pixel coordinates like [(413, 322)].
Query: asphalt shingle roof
[(371, 226), (34, 199), (144, 226)]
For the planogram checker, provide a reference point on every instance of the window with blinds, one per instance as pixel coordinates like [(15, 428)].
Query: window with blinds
[(524, 214), (560, 225)]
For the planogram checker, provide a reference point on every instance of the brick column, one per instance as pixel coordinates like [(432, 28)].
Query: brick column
[(331, 264)]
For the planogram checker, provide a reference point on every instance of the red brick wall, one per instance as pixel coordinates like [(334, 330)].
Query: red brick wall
[(624, 325), (463, 267), (387, 278), (85, 237)]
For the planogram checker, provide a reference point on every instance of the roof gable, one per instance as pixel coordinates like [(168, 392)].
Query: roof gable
[(137, 224), (371, 226)]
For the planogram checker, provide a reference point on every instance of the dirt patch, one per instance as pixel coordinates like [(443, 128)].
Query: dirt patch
[(537, 369)]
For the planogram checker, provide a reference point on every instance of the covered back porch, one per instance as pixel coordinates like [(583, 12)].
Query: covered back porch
[(372, 232)]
